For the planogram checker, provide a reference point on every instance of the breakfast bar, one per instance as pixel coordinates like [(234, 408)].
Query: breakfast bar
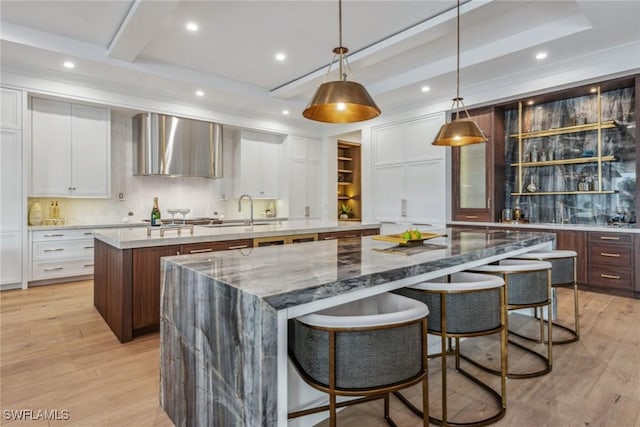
[(224, 314)]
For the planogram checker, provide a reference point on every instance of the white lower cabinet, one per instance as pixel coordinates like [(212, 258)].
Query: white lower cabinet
[(11, 260), (61, 254)]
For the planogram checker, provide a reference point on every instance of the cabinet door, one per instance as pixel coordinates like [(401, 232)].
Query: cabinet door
[(90, 151), (313, 207), (389, 192), (270, 167), (11, 259), (297, 189), (11, 110), (146, 285), (425, 192), (575, 241), (388, 145), (10, 180), (51, 148)]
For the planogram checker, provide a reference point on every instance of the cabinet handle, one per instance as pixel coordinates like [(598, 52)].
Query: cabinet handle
[(53, 235), (609, 238), (329, 238), (610, 255), (306, 211), (88, 233), (610, 276), (198, 251), (88, 265), (238, 247), (54, 268), (54, 250), (88, 247), (489, 202), (347, 236), (403, 207), (471, 216), (73, 188)]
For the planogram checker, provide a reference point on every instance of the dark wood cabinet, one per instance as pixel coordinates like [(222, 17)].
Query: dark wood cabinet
[(146, 287), (612, 264), (574, 241), (477, 171)]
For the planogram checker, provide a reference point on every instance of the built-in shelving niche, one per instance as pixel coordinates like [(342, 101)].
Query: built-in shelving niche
[(568, 128)]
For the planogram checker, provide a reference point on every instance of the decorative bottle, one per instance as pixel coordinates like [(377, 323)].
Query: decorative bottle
[(155, 213)]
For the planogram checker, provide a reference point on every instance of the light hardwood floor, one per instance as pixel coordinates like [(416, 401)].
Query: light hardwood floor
[(56, 352)]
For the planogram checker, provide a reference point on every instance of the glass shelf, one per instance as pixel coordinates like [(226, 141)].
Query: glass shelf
[(555, 193), (565, 130), (577, 160)]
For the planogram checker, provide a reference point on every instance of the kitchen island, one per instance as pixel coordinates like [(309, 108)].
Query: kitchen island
[(127, 261), (224, 315)]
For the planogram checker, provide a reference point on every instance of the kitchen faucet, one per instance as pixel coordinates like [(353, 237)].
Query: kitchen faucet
[(240, 206)]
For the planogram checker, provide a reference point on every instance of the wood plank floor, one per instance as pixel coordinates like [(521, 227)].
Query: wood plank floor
[(56, 352)]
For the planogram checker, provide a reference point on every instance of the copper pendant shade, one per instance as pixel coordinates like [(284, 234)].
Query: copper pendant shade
[(341, 101), (459, 131)]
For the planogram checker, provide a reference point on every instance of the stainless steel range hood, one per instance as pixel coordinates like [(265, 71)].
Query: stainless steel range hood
[(174, 146)]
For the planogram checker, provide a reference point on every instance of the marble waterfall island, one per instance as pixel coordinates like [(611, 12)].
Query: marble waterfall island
[(223, 354)]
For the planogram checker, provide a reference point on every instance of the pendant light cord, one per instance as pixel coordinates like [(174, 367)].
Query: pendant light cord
[(342, 76), (458, 63)]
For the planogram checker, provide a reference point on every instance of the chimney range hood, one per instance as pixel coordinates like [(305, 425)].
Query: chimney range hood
[(174, 146)]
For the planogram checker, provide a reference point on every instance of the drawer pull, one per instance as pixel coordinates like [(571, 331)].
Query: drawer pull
[(609, 238), (88, 265), (54, 250), (54, 235), (199, 251), (88, 247), (88, 233), (54, 268), (610, 255), (348, 236), (471, 216), (329, 238), (238, 247), (610, 276)]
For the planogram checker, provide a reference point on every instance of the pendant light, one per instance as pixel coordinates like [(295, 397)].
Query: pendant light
[(459, 131), (341, 101)]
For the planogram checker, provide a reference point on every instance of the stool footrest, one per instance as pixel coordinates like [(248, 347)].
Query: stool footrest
[(574, 336)]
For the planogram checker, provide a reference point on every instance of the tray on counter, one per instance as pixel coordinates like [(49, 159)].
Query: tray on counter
[(397, 238)]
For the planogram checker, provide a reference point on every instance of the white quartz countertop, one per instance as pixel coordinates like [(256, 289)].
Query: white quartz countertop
[(127, 238), (553, 226), (91, 226)]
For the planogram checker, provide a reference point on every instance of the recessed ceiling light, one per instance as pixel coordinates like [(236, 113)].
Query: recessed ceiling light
[(192, 26), (529, 102), (593, 90), (69, 64), (199, 93), (541, 55), (425, 88), (285, 112), (281, 56)]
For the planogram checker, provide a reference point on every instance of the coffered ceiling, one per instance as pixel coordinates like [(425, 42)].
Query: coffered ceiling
[(396, 47)]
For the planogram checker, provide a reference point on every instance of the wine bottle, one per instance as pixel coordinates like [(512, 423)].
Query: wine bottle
[(155, 213)]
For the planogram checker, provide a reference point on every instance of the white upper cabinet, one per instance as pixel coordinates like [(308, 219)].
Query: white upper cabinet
[(71, 150), (305, 178), (11, 112), (409, 173), (257, 165)]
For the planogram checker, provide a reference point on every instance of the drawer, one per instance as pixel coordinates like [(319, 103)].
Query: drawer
[(608, 277), (196, 248), (49, 235), (339, 235), (612, 238), (64, 249), (611, 255), (57, 269)]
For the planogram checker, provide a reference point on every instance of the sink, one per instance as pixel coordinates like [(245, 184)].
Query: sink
[(235, 225)]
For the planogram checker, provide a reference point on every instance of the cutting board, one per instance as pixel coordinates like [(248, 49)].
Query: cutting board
[(397, 238)]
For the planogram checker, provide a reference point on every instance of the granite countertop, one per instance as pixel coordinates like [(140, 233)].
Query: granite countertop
[(634, 228), (127, 238), (318, 270)]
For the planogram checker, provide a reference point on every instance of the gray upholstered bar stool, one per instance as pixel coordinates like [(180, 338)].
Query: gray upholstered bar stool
[(370, 347), (466, 305), (563, 274), (527, 285)]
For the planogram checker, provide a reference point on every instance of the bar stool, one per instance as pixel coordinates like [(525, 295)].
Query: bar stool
[(467, 305), (370, 347), (527, 285), (563, 274)]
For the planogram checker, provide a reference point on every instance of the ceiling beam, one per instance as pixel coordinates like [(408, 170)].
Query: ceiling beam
[(141, 23)]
